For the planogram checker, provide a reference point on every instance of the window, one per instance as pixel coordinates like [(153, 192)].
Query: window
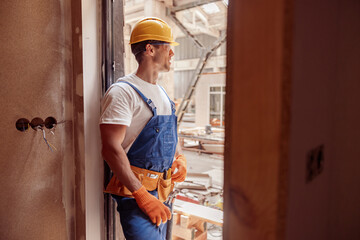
[(217, 106)]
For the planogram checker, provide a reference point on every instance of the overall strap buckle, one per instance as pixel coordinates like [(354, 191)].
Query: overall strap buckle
[(151, 103)]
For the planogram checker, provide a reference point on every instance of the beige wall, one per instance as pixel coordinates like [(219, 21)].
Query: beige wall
[(325, 103), (202, 97), (41, 198)]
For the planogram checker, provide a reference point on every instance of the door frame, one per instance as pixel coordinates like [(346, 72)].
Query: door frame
[(257, 119)]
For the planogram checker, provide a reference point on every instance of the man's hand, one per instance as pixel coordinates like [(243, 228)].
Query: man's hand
[(151, 206), (180, 165)]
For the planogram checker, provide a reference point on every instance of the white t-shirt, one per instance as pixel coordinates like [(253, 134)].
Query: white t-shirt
[(123, 105)]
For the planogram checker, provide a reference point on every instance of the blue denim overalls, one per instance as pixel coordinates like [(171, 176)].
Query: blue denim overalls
[(153, 149)]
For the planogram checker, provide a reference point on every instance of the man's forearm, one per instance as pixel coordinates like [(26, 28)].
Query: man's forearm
[(119, 164)]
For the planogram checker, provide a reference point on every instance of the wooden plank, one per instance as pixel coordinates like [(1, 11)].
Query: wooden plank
[(184, 221), (201, 235), (257, 119), (197, 223), (192, 222), (204, 213), (185, 233), (203, 139), (176, 217), (199, 150)]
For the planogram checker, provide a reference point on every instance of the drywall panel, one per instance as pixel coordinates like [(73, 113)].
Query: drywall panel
[(37, 183)]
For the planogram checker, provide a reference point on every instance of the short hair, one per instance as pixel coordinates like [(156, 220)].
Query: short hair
[(139, 48)]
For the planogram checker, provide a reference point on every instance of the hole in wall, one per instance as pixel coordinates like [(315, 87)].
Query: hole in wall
[(37, 123), (50, 122), (22, 124)]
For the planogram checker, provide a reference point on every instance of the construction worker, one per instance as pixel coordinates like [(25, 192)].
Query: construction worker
[(139, 136)]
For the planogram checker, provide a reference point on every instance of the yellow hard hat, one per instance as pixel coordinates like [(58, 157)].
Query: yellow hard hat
[(152, 28)]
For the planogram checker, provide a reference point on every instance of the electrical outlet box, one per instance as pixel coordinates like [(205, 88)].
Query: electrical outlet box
[(314, 163)]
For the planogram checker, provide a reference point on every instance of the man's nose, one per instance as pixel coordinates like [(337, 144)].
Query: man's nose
[(171, 53)]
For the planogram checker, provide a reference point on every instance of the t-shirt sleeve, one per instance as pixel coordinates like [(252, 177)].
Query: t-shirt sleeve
[(116, 106)]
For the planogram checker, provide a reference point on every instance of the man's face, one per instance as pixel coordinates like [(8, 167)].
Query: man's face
[(163, 57)]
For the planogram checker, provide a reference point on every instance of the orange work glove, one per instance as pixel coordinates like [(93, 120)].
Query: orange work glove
[(151, 206), (180, 164)]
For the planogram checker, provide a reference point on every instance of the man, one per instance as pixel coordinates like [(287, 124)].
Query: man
[(139, 136)]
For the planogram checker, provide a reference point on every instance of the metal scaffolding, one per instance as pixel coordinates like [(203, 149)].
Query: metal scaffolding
[(206, 53)]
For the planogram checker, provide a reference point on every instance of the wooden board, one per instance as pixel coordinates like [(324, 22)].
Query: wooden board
[(185, 233), (189, 228), (206, 214), (257, 119)]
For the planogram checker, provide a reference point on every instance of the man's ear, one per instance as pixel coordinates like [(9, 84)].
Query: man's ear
[(149, 49)]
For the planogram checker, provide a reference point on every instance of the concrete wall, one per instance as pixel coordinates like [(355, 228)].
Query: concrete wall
[(38, 185), (325, 103)]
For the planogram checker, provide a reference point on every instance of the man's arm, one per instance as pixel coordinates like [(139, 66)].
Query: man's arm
[(112, 136)]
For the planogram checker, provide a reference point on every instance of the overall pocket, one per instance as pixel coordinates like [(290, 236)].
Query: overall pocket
[(165, 187)]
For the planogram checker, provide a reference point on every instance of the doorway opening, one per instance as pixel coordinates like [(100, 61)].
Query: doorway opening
[(196, 83)]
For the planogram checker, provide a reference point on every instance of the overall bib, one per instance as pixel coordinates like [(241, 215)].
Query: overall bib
[(154, 150)]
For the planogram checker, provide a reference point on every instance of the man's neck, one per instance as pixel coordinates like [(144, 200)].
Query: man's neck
[(147, 73)]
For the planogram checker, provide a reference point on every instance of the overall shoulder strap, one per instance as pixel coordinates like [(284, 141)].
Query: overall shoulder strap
[(148, 101)]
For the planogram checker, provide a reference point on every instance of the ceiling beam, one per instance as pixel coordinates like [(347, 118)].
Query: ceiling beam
[(192, 5)]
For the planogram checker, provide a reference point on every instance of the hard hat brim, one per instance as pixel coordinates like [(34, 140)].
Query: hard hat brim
[(170, 43), (174, 44)]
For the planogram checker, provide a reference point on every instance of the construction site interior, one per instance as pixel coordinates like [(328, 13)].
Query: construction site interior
[(282, 165)]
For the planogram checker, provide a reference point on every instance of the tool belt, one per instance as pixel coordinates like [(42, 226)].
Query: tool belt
[(150, 179)]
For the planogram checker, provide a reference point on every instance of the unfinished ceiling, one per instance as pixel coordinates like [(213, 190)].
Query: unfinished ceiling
[(198, 16)]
